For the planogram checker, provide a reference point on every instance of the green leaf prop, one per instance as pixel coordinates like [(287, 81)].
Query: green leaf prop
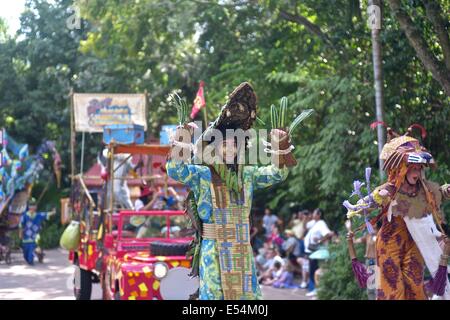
[(279, 117), (182, 108), (283, 109), (274, 116), (302, 116)]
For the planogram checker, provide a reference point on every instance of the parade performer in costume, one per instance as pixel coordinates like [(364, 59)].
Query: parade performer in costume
[(220, 200), (30, 226), (412, 234)]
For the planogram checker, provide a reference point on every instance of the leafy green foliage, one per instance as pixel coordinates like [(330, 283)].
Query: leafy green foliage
[(162, 46), (50, 235), (340, 284)]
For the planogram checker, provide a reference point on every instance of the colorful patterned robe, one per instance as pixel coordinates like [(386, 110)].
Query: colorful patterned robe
[(401, 257), (198, 178)]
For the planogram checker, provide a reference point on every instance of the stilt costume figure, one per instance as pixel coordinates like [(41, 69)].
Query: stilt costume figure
[(412, 235), (220, 201)]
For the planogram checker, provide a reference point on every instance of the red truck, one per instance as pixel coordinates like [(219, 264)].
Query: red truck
[(132, 254)]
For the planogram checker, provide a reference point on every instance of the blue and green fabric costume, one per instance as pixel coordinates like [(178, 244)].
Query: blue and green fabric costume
[(227, 266), (31, 225)]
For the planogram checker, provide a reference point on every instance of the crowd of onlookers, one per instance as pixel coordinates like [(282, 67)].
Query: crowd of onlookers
[(285, 250)]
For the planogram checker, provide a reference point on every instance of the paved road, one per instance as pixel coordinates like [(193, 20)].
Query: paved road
[(53, 280)]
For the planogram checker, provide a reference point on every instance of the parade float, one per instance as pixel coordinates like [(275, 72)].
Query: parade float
[(105, 239), (19, 171)]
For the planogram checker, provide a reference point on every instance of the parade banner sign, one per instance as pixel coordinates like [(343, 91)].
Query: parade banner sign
[(94, 111)]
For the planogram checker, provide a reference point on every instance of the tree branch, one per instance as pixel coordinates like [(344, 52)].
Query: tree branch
[(311, 27), (440, 25), (438, 70)]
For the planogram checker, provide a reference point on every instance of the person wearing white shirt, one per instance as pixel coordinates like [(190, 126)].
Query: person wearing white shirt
[(318, 233)]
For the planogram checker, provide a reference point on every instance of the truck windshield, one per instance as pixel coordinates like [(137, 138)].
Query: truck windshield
[(153, 226)]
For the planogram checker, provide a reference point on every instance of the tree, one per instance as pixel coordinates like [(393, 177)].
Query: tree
[(439, 68)]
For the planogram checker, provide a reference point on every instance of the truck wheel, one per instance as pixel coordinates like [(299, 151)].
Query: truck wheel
[(82, 284), (168, 249)]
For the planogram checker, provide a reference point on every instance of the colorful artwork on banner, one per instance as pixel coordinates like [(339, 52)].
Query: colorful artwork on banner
[(94, 111)]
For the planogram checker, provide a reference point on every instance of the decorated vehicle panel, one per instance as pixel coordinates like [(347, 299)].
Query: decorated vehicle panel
[(145, 258)]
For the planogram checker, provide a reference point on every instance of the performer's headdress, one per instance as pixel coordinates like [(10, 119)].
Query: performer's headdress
[(404, 149), (32, 202), (239, 112)]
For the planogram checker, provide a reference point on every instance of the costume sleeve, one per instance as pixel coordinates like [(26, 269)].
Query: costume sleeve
[(43, 216), (267, 176), (182, 172)]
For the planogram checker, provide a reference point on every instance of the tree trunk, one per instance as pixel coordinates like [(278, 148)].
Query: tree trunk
[(375, 16), (441, 27), (437, 69)]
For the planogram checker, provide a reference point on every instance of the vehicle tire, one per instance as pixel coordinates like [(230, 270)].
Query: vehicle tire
[(168, 249), (82, 284)]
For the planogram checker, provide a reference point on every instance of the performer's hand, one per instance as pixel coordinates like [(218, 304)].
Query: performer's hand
[(184, 133), (280, 141), (278, 134), (445, 189)]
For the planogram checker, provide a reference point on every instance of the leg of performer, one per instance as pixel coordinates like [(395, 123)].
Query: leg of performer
[(413, 273), (28, 252)]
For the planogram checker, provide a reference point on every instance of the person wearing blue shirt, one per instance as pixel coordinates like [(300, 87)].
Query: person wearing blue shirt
[(30, 225)]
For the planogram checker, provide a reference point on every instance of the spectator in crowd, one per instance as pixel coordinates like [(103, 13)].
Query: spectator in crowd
[(318, 234), (303, 261), (291, 247), (262, 255), (317, 275), (257, 236), (269, 221), (370, 254), (299, 227), (294, 220), (276, 238), (273, 274), (286, 279), (272, 256)]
